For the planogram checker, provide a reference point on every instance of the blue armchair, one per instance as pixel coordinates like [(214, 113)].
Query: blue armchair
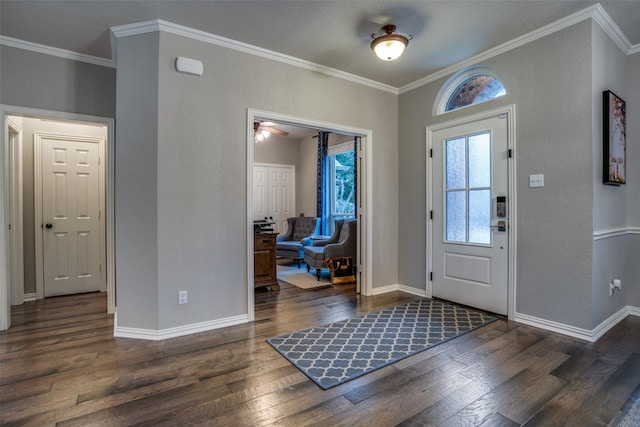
[(291, 244), (342, 243)]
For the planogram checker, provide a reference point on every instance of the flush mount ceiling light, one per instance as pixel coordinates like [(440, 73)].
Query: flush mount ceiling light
[(389, 44)]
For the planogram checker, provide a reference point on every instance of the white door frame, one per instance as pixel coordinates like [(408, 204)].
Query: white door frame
[(365, 215), (14, 163), (510, 113), (8, 262), (37, 171)]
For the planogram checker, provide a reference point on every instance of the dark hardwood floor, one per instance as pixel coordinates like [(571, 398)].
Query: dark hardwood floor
[(60, 365)]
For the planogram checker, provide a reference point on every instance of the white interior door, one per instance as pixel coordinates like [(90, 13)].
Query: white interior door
[(470, 207), (274, 194), (260, 193), (71, 223)]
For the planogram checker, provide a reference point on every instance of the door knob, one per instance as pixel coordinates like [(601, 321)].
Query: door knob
[(49, 225)]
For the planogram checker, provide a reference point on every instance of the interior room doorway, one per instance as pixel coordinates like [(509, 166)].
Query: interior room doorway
[(23, 227), (363, 190)]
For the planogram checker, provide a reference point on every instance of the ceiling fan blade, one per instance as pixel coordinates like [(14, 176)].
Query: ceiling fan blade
[(274, 130)]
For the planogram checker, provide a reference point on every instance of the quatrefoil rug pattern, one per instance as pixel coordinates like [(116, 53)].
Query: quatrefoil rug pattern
[(333, 354)]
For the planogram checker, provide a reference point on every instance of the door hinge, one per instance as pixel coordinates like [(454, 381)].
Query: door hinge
[(9, 226), (430, 214), (431, 276), (431, 153), (510, 153)]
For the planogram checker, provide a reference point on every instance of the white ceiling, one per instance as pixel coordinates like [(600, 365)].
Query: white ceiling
[(334, 33)]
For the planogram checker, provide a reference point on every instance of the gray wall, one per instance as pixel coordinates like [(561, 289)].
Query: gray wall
[(136, 182), (609, 72), (632, 94), (307, 178), (194, 186), (277, 150), (35, 80), (549, 81)]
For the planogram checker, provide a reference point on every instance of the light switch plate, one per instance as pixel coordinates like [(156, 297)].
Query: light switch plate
[(536, 181)]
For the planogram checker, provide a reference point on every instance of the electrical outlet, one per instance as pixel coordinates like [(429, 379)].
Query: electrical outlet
[(617, 284), (183, 297)]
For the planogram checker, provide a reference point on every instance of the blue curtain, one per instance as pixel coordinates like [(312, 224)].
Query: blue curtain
[(322, 200), (356, 143)]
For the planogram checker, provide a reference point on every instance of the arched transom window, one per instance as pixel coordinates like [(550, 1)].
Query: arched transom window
[(467, 87)]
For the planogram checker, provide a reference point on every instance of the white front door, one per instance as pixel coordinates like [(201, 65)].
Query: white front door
[(470, 214), (71, 233), (274, 195)]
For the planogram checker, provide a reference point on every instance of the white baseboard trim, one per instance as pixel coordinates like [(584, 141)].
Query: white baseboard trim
[(399, 287), (178, 331), (30, 297), (580, 333)]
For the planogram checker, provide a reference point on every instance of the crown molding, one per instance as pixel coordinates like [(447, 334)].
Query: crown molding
[(54, 51), (602, 18), (180, 30), (595, 12)]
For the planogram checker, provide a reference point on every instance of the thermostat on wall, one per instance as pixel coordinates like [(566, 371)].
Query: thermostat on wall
[(189, 66)]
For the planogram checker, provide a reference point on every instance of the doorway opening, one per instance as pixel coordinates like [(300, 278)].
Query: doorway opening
[(308, 207), (25, 130)]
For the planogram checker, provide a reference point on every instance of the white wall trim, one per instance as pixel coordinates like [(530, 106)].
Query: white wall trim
[(595, 12), (178, 331), (30, 297), (16, 258), (54, 51), (580, 333), (180, 30), (614, 232), (602, 18), (385, 289)]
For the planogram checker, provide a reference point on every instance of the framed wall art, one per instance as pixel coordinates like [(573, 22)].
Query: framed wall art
[(614, 139)]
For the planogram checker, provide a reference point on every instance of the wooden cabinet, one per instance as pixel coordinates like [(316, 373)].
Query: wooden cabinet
[(264, 260)]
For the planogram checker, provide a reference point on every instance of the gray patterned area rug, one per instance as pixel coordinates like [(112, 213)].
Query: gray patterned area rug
[(629, 416), (333, 354)]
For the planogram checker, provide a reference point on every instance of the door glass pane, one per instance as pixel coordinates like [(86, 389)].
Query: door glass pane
[(455, 163), (480, 160), (456, 216), (480, 216)]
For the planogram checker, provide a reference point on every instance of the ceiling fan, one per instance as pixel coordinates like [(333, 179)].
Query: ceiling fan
[(262, 130)]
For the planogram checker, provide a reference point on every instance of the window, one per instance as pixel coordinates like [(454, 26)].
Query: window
[(468, 87), (341, 182), (475, 90), (468, 189)]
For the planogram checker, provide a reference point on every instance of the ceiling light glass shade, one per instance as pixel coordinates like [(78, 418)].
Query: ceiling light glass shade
[(390, 45), (261, 135)]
